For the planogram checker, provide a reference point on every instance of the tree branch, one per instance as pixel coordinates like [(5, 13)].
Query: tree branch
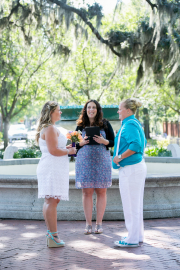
[(173, 102), (30, 76), (109, 81), (22, 107), (14, 9), (70, 92), (36, 69), (87, 22), (151, 4), (178, 111), (84, 62)]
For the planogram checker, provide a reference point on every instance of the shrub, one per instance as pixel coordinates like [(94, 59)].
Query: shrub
[(158, 149), (158, 152), (33, 151), (151, 142), (1, 154), (27, 153), (31, 144), (163, 143)]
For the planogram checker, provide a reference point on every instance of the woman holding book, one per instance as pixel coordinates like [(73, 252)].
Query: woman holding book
[(93, 163)]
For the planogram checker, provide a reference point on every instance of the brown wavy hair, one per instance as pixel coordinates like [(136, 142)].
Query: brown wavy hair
[(45, 119), (83, 119)]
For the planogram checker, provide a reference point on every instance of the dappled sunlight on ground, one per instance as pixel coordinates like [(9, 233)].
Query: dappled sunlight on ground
[(23, 245), (31, 235), (2, 245), (104, 251), (5, 227), (31, 227), (26, 256)]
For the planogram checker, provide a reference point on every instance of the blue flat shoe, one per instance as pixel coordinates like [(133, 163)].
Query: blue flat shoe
[(125, 237), (123, 244)]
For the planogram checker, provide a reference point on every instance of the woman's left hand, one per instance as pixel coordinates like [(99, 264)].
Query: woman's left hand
[(100, 139), (68, 146), (116, 160)]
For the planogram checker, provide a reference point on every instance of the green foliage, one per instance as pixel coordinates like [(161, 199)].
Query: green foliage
[(94, 10), (158, 152), (86, 72), (26, 47), (32, 151), (163, 143), (27, 153), (87, 75), (1, 136), (151, 142), (159, 143), (158, 148), (32, 145), (1, 154)]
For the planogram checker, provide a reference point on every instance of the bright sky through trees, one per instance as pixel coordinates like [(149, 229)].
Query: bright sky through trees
[(108, 5)]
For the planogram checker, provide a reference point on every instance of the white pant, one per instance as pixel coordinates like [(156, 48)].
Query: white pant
[(131, 185)]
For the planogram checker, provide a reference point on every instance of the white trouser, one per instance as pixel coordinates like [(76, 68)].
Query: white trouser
[(131, 185)]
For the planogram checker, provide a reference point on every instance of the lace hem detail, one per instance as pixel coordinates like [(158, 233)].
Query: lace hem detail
[(63, 198)]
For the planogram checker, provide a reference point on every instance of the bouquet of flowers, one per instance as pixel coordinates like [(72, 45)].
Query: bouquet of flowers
[(74, 136)]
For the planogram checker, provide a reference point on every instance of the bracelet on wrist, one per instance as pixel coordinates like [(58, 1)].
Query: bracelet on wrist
[(67, 151)]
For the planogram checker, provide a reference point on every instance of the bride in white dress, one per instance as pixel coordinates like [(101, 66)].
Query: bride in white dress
[(53, 168)]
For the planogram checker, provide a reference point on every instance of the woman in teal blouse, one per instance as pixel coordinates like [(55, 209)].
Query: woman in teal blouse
[(128, 157)]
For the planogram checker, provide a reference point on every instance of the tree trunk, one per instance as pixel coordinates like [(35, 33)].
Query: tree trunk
[(146, 123), (137, 114), (1, 123), (5, 134)]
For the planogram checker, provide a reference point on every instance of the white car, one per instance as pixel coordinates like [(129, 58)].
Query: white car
[(17, 132)]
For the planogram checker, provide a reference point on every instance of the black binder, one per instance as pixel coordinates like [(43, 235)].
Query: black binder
[(90, 132)]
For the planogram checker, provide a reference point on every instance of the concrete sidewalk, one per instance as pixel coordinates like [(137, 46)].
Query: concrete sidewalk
[(23, 246)]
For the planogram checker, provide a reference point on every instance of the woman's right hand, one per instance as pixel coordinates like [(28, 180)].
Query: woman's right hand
[(84, 141), (72, 151)]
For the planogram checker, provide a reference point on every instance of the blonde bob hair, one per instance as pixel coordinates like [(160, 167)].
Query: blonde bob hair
[(45, 119), (132, 104)]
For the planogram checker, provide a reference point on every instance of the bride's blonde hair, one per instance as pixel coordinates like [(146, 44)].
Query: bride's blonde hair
[(45, 119)]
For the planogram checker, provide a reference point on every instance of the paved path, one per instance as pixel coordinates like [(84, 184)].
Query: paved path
[(22, 246)]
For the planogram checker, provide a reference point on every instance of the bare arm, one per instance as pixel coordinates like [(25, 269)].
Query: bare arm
[(126, 154), (51, 138)]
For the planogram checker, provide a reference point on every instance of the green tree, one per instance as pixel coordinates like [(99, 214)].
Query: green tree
[(146, 42), (24, 50), (19, 66), (88, 75), (154, 44)]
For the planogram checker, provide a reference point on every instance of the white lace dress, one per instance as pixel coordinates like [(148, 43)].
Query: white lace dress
[(53, 172)]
